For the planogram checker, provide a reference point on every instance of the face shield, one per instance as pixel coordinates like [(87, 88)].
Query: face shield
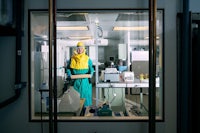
[(80, 49)]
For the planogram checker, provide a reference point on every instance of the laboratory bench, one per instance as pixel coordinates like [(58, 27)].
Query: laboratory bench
[(115, 92), (121, 86)]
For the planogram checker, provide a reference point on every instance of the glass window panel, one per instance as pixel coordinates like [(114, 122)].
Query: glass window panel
[(117, 42)]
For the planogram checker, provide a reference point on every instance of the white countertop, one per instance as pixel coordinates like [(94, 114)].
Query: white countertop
[(137, 83)]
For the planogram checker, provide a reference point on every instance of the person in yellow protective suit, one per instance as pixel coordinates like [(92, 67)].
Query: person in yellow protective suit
[(80, 63)]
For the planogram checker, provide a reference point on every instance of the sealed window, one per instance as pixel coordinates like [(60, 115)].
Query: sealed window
[(117, 44)]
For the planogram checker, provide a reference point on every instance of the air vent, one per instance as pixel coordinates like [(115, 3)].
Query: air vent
[(131, 17), (71, 17)]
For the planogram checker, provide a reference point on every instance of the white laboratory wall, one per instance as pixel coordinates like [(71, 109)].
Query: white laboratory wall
[(140, 55), (122, 51), (15, 117), (60, 69), (92, 53)]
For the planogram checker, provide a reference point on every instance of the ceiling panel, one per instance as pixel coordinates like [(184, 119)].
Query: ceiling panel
[(106, 21)]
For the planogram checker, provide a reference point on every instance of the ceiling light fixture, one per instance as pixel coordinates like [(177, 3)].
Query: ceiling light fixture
[(147, 37), (73, 28), (131, 28)]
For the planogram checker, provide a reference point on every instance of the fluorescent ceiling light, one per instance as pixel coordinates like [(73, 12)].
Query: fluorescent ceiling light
[(79, 37), (147, 37), (73, 28), (131, 28)]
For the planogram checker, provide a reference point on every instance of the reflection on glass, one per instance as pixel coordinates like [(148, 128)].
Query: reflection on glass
[(121, 79)]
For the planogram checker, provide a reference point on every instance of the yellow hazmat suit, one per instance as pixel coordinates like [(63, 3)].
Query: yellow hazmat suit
[(80, 63)]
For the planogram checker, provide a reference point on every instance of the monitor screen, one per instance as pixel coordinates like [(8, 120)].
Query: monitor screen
[(112, 58)]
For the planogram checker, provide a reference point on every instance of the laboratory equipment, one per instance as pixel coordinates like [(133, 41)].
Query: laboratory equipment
[(128, 76), (104, 111), (111, 75)]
